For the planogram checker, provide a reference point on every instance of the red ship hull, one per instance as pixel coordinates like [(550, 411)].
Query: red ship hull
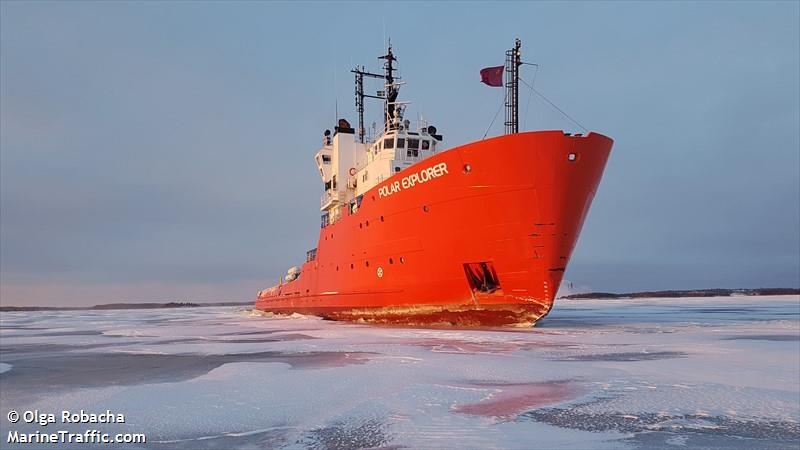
[(478, 235)]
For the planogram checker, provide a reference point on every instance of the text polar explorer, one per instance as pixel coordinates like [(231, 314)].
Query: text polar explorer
[(415, 178)]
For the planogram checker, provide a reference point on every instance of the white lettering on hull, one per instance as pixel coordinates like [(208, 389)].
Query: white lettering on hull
[(414, 179)]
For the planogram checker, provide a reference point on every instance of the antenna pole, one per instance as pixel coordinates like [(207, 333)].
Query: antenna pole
[(360, 102), (360, 73), (388, 96), (391, 89), (513, 61)]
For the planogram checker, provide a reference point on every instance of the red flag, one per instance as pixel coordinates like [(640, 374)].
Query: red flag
[(492, 76)]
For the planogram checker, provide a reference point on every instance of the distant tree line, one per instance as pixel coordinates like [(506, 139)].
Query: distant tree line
[(687, 293)]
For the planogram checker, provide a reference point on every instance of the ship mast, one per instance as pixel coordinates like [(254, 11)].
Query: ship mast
[(392, 89), (360, 73), (513, 61), (389, 95)]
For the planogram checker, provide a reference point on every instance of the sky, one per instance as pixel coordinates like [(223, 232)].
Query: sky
[(159, 151)]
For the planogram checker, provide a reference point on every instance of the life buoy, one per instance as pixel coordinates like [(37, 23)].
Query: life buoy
[(352, 171)]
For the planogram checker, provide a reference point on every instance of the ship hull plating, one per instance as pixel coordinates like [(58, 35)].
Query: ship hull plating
[(478, 235)]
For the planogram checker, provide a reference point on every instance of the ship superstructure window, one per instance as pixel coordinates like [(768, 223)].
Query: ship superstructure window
[(426, 144), (388, 143), (325, 220), (413, 148), (326, 159), (401, 143)]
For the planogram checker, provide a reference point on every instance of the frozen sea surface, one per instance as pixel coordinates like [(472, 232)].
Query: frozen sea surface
[(656, 373)]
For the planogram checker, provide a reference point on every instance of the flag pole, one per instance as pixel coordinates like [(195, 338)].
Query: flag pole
[(513, 62)]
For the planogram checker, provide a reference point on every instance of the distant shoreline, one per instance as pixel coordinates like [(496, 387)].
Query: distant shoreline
[(113, 306), (588, 295), (685, 293)]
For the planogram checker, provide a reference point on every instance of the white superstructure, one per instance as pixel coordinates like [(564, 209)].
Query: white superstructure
[(350, 166)]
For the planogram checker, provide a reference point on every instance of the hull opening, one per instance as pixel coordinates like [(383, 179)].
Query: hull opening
[(482, 277)]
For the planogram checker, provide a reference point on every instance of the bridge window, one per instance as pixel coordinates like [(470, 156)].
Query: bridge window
[(413, 148), (326, 159), (388, 143), (401, 143)]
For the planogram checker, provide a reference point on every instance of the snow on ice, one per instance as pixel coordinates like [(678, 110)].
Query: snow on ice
[(675, 373)]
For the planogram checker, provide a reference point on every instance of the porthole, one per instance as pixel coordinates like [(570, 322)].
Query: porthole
[(366, 263), (337, 268), (467, 168), (391, 261), (360, 225), (368, 223), (381, 218), (352, 266), (572, 157), (425, 208), (402, 260)]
